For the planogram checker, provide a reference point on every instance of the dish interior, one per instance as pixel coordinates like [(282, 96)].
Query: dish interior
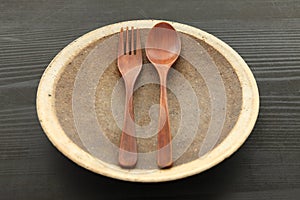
[(108, 99)]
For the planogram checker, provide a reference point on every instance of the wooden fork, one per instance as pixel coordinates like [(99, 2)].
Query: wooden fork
[(130, 65)]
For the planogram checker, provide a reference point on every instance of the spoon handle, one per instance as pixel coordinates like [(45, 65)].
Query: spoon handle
[(164, 156), (128, 144)]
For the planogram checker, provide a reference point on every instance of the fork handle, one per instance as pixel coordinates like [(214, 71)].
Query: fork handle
[(164, 155), (128, 144)]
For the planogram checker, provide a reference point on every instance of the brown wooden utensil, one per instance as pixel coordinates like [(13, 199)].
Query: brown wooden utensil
[(130, 65), (162, 49)]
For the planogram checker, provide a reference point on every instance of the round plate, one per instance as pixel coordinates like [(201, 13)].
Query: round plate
[(213, 104)]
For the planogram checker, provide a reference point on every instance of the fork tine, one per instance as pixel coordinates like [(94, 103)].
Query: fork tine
[(132, 41), (127, 41), (138, 42), (121, 43)]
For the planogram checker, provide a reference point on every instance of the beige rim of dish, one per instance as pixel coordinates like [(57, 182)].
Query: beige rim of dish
[(236, 137)]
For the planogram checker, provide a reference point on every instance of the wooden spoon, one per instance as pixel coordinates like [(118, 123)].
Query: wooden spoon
[(162, 49)]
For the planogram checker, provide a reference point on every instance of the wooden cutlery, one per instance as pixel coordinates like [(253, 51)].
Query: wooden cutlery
[(130, 65), (162, 49)]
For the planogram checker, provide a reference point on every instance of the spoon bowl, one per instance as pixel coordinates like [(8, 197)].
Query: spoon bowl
[(163, 45)]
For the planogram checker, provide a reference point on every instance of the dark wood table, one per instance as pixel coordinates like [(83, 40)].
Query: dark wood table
[(265, 33)]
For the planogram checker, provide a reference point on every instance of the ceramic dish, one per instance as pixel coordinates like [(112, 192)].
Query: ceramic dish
[(213, 104)]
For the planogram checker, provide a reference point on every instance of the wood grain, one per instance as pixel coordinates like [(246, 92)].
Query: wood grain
[(265, 33)]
